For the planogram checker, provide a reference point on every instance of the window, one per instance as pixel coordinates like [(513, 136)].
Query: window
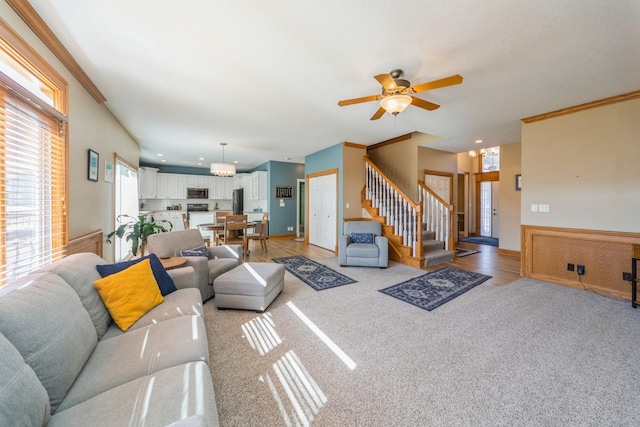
[(126, 202), (33, 190), (491, 160)]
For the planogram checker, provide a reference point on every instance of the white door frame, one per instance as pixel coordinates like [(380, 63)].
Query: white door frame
[(308, 189), (299, 183)]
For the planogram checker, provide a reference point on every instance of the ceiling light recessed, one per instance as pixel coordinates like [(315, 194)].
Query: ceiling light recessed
[(201, 158), (199, 163), (164, 160), (160, 154), (235, 161), (478, 141)]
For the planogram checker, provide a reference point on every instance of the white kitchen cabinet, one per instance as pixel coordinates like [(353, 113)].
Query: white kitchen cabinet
[(197, 181), (174, 217), (220, 188), (171, 186), (259, 185), (197, 218), (162, 189), (147, 185)]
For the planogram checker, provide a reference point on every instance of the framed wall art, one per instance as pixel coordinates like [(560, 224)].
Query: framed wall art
[(108, 171), (284, 192), (93, 165), (518, 182)]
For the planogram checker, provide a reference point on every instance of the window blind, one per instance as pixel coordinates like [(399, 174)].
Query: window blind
[(32, 186)]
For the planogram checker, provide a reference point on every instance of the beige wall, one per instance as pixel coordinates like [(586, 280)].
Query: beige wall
[(91, 125), (353, 179), (509, 198), (392, 160), (585, 167)]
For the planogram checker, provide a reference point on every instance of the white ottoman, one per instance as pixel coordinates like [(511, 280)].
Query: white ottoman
[(249, 286)]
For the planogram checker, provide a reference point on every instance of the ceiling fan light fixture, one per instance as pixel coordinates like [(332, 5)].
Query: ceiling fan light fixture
[(223, 169), (395, 104)]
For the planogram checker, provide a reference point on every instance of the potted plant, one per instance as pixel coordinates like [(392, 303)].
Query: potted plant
[(137, 230)]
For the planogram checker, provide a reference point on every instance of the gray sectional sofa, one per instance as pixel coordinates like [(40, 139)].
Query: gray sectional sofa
[(65, 363)]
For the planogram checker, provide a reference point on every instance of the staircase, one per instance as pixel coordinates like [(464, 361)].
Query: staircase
[(419, 234)]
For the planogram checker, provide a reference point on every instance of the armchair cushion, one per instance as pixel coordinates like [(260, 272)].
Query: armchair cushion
[(362, 238), (199, 251)]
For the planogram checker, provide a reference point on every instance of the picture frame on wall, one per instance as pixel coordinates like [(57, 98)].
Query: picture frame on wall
[(93, 165), (518, 182), (108, 171)]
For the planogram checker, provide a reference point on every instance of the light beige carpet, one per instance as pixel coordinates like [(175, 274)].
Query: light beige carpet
[(528, 353)]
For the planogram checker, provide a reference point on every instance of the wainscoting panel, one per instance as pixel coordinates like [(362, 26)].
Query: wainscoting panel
[(546, 251), (90, 242)]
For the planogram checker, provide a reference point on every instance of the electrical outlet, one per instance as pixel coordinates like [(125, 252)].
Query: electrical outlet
[(580, 269), (626, 276), (571, 267)]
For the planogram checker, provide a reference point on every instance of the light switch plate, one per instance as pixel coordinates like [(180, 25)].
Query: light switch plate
[(534, 208), (543, 208)]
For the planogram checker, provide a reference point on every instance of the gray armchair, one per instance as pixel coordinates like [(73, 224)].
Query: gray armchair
[(363, 245), (223, 258)]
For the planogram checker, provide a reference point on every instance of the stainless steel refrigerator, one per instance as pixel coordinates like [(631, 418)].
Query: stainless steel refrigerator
[(238, 201)]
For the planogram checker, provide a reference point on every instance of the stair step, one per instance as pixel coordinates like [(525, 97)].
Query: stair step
[(428, 235), (431, 246), (437, 257)]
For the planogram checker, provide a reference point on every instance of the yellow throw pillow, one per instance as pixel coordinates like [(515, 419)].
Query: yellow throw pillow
[(129, 294)]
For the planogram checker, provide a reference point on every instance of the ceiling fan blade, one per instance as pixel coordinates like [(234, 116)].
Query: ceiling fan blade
[(424, 104), (357, 100), (386, 81), (447, 81), (378, 114)]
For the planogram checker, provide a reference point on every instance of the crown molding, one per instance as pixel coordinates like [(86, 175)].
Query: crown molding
[(42, 30), (581, 107)]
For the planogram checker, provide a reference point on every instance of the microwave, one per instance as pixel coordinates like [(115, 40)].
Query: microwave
[(197, 193)]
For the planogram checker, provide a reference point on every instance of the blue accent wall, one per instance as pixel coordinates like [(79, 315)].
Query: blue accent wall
[(329, 158)]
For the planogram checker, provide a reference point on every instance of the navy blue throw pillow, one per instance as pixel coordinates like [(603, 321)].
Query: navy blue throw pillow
[(362, 237), (199, 251), (165, 282)]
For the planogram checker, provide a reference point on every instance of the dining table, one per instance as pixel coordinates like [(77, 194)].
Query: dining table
[(219, 226)]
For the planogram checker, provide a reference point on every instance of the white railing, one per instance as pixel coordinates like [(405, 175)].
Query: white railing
[(436, 215), (400, 211)]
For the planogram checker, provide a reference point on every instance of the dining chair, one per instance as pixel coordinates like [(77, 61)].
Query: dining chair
[(219, 219), (185, 221), (260, 232), (235, 231)]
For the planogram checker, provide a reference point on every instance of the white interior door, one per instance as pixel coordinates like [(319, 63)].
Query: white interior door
[(441, 185), (322, 211)]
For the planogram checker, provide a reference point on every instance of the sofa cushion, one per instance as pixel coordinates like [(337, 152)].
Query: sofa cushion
[(157, 399), (79, 271), (198, 251), (130, 293), (165, 282), (362, 238), (183, 302), (363, 250), (23, 399), (138, 353), (42, 316)]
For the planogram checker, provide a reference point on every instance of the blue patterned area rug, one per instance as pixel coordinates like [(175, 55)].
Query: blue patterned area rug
[(431, 290), (318, 276)]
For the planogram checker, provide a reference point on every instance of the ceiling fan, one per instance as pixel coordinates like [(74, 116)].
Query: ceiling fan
[(397, 93)]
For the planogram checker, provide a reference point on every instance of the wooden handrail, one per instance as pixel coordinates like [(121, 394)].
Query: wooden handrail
[(415, 205), (438, 198)]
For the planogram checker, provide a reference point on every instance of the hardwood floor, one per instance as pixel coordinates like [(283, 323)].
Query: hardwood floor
[(503, 269)]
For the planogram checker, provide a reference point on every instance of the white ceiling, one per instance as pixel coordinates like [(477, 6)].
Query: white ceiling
[(266, 76)]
